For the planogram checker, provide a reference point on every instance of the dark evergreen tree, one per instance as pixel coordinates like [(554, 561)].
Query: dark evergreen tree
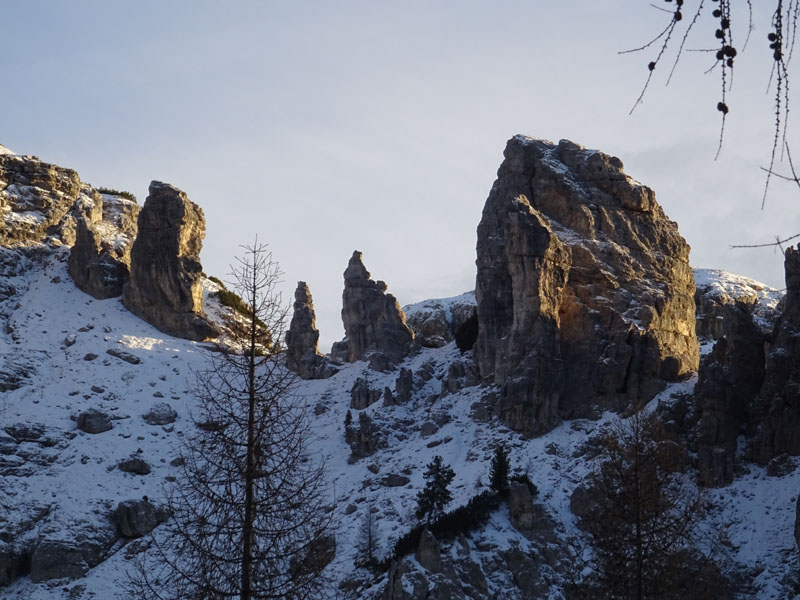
[(436, 495), (498, 473)]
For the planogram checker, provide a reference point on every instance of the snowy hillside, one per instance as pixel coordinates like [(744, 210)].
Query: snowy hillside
[(62, 484)]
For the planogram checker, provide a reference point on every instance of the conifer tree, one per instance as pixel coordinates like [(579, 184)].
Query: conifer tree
[(498, 473), (435, 495)]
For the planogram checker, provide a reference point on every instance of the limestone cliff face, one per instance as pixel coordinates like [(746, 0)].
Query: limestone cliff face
[(34, 197), (302, 339), (99, 261), (584, 290), (372, 318), (777, 412), (164, 287)]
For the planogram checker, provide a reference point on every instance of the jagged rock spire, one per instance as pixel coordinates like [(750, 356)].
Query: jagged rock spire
[(373, 320), (302, 339)]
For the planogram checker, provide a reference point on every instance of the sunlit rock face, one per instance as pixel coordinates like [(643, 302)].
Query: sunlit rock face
[(584, 290), (165, 287), (34, 198)]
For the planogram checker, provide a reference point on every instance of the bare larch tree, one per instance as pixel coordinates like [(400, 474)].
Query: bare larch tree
[(249, 511)]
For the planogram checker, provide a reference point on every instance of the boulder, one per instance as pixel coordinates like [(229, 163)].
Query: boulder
[(57, 559), (136, 518), (776, 417), (122, 355), (373, 321), (165, 284), (585, 296), (302, 339), (728, 383), (70, 554), (99, 260), (394, 480), (135, 465), (160, 413), (94, 421)]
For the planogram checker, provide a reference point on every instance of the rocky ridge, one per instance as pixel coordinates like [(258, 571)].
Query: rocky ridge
[(107, 402)]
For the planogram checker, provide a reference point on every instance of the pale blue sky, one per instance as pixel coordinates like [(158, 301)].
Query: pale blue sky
[(325, 127)]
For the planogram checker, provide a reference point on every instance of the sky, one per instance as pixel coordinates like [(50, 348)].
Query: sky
[(327, 127)]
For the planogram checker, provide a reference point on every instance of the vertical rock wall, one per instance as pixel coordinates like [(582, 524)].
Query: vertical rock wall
[(585, 294), (777, 412)]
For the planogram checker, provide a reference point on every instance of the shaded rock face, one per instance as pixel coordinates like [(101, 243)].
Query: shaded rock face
[(777, 414), (302, 339), (164, 287), (729, 381), (34, 197), (373, 321), (585, 297), (99, 261), (717, 290)]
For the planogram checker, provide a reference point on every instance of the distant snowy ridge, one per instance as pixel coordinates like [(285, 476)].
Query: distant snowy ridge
[(4, 150)]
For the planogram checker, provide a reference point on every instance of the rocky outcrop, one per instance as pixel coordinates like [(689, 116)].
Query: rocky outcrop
[(435, 322), (365, 439), (373, 321), (362, 396), (99, 261), (777, 413), (34, 197), (302, 339), (164, 287), (585, 297), (728, 383), (718, 289)]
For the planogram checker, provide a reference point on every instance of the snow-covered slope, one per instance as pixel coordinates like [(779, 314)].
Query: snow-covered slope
[(69, 481)]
